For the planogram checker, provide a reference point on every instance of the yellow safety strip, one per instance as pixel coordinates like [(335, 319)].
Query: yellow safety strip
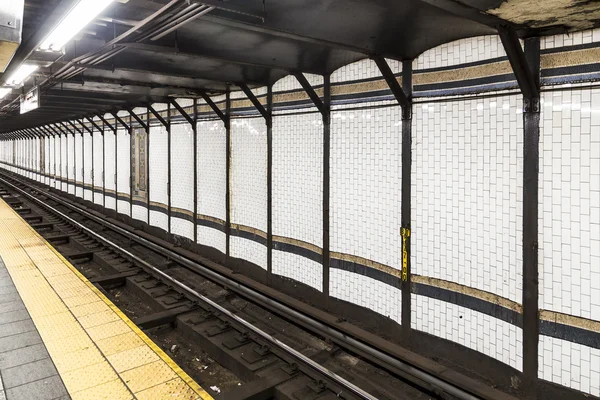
[(98, 351)]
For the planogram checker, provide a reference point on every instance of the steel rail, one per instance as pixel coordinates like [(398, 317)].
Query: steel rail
[(355, 390), (375, 355)]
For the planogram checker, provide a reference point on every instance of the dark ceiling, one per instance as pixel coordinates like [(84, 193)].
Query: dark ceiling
[(128, 57)]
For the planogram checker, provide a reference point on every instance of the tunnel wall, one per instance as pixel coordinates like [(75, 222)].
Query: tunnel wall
[(466, 201)]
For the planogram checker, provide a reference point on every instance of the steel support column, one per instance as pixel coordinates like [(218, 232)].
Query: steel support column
[(228, 175), (269, 122), (169, 181), (407, 113), (195, 134), (119, 120), (531, 140), (326, 182)]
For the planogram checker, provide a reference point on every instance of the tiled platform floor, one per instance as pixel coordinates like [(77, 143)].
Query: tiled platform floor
[(61, 338)]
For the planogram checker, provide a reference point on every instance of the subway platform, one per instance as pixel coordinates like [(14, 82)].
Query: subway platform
[(61, 338)]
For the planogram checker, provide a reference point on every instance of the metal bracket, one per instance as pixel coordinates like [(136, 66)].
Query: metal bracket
[(214, 107), (158, 116), (518, 61), (75, 128), (394, 86), (138, 119), (120, 120), (311, 92), (262, 110), (94, 124), (182, 112), (82, 123), (112, 128)]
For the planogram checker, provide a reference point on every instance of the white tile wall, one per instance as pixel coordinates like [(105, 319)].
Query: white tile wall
[(298, 268), (158, 171), (570, 364), (71, 161), (123, 169), (212, 238), (109, 166), (291, 83), (467, 193), (212, 179), (461, 52), (51, 160), (570, 39), (475, 330), (365, 182), (569, 202), (248, 250), (78, 164), (139, 213), (182, 170), (366, 292), (363, 69), (87, 161), (63, 161), (98, 166), (298, 177), (298, 192), (249, 185)]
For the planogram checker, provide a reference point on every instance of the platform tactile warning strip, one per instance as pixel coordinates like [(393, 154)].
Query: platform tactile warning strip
[(98, 352)]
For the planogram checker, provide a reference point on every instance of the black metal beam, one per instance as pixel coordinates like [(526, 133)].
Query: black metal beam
[(94, 124), (406, 199), (120, 121), (75, 128), (105, 122), (82, 123), (269, 185), (521, 68), (531, 141), (261, 109), (393, 84), (214, 107), (227, 122), (181, 111), (195, 137), (138, 119), (311, 92), (157, 115), (326, 184)]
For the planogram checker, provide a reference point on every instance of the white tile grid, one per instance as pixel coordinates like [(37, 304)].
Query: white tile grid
[(569, 202), (78, 164), (212, 238), (109, 165), (183, 102), (367, 292), (98, 167), (298, 191), (63, 162), (87, 161), (298, 268), (570, 39), (51, 161), (123, 169), (158, 171), (71, 162), (298, 177), (291, 83), (140, 213), (477, 331), (182, 170), (249, 184), (460, 52), (467, 194), (365, 183), (569, 364), (363, 69), (248, 250), (212, 179), (159, 107)]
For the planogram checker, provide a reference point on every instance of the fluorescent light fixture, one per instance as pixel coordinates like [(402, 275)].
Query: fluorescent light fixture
[(21, 74), (79, 16), (4, 92)]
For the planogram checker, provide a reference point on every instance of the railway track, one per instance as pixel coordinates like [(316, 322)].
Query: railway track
[(263, 348)]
